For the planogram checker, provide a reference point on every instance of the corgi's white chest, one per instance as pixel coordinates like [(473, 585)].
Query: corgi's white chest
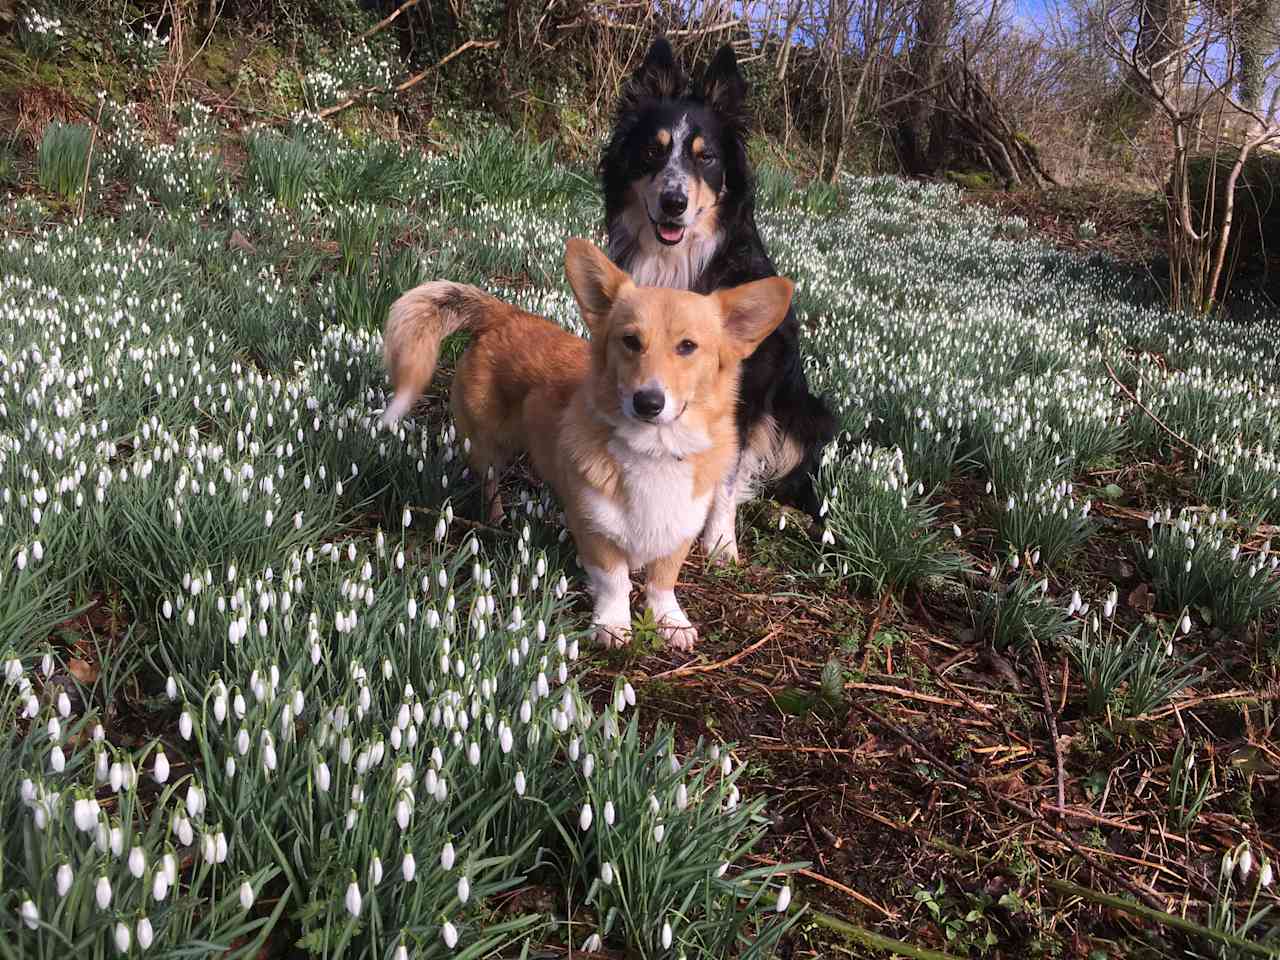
[(656, 509)]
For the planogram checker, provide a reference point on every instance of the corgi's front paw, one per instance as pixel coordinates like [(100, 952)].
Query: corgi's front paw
[(612, 636), (679, 636), (719, 553)]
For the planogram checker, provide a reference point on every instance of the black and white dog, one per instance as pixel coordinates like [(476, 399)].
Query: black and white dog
[(680, 212)]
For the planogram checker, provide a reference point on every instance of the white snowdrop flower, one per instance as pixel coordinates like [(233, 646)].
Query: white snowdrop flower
[(238, 706), (63, 879), (722, 869), (169, 863), (160, 767), (123, 937), (115, 840), (473, 753), (520, 783), (159, 886), (464, 889), (209, 848), (28, 913), (408, 866), (375, 871), (588, 765), (593, 944), (666, 935), (186, 832), (659, 831), (137, 862), (353, 900), (447, 856), (242, 741), (608, 813), (449, 933), (584, 818), (682, 797), (195, 801), (184, 725), (229, 768), (606, 874), (102, 892), (401, 952), (1244, 865), (145, 934), (1186, 624), (57, 760), (1266, 876), (784, 899)]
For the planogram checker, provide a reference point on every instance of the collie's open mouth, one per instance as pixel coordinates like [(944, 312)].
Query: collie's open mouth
[(669, 233)]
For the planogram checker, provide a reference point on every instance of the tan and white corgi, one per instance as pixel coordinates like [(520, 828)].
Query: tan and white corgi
[(632, 429)]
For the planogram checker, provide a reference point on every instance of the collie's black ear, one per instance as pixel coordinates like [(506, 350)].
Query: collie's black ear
[(723, 87), (658, 77)]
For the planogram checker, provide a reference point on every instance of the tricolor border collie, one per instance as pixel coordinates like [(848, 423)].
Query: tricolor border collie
[(680, 212)]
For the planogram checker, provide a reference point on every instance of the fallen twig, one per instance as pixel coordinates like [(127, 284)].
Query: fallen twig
[(1145, 409), (719, 665), (913, 695), (1051, 723), (833, 884), (412, 81)]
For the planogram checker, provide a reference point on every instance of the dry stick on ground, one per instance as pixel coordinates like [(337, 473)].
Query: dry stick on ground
[(412, 81), (1143, 407), (1051, 722), (862, 898), (1146, 896), (88, 162), (385, 21), (720, 665)]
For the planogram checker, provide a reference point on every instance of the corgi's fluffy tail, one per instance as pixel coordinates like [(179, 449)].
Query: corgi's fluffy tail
[(416, 326)]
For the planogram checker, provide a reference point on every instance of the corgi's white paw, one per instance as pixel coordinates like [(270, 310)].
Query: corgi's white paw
[(719, 553), (612, 636), (679, 636)]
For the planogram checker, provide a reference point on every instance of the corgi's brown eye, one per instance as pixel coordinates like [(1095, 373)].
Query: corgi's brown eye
[(686, 347), (632, 343)]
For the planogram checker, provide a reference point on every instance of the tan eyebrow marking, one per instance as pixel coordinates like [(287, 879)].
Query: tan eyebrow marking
[(664, 138), (698, 146)]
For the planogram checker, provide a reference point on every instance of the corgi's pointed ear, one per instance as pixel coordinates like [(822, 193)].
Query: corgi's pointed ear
[(754, 310), (658, 77), (596, 282), (723, 87)]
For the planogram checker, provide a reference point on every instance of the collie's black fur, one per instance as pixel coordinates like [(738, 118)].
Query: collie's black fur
[(680, 211)]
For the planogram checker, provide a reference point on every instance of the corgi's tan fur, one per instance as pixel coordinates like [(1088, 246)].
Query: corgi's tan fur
[(633, 429)]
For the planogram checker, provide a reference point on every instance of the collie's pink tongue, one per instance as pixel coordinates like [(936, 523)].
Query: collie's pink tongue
[(671, 234)]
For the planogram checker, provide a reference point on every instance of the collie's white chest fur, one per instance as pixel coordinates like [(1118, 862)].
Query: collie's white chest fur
[(655, 510)]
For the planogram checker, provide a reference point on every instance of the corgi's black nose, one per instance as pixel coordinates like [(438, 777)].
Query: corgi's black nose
[(673, 202), (648, 403)]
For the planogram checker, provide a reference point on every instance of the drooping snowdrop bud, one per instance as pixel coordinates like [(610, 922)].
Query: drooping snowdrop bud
[(408, 866), (449, 933), (102, 892), (29, 914), (145, 934), (63, 879), (666, 936), (585, 818), (593, 944), (446, 856), (184, 725), (123, 937), (137, 862), (353, 899), (464, 889), (1185, 624), (160, 771), (784, 899), (520, 783)]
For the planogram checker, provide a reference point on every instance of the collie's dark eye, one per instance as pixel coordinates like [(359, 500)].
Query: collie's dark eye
[(707, 159), (652, 153), (632, 343), (686, 347)]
